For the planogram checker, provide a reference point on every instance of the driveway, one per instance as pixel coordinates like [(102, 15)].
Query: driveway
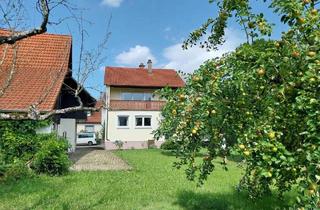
[(93, 159)]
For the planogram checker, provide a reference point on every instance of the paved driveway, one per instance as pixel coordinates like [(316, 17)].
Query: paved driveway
[(93, 159)]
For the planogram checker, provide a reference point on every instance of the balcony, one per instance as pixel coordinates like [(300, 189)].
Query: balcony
[(136, 105)]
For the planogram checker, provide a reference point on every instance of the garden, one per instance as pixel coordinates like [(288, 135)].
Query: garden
[(152, 184), (244, 131)]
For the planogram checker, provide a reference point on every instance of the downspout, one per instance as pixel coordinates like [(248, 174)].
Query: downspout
[(106, 127)]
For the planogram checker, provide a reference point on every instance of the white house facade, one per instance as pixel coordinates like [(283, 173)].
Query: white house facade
[(93, 122), (133, 109)]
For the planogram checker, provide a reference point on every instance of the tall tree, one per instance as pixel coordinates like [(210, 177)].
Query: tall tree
[(262, 100)]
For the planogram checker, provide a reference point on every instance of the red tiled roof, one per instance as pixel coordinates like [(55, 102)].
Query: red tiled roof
[(139, 77), (41, 64), (95, 117)]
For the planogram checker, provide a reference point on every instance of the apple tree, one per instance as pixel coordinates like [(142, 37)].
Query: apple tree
[(262, 100)]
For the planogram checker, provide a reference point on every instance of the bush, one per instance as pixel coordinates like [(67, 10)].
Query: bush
[(52, 156), (15, 146), (17, 170), (21, 147), (3, 166), (119, 144), (169, 145)]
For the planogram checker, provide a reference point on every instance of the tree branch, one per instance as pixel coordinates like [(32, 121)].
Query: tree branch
[(34, 114), (16, 36)]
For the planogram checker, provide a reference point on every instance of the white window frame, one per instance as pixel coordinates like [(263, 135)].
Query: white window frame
[(118, 122), (143, 117)]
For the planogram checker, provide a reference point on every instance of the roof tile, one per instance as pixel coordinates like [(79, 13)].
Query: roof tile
[(139, 77), (41, 63)]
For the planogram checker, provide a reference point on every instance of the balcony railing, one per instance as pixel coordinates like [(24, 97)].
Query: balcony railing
[(136, 105)]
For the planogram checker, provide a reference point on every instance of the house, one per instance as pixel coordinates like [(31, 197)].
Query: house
[(93, 122), (133, 108), (37, 71)]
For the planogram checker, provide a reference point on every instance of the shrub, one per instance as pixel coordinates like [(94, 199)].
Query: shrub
[(119, 144), (18, 146), (169, 145), (21, 147), (3, 166), (17, 170), (52, 156)]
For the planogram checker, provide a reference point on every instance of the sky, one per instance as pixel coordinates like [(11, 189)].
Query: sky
[(142, 30)]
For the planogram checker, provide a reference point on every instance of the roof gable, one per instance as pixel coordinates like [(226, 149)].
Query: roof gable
[(40, 65)]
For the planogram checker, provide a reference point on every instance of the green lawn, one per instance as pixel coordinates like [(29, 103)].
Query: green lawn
[(152, 184)]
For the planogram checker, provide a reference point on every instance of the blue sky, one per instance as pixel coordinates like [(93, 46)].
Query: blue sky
[(144, 29)]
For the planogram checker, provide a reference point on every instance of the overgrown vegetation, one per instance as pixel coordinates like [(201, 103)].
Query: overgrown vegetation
[(262, 100), (23, 152)]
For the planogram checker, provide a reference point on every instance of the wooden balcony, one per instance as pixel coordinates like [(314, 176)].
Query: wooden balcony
[(136, 105)]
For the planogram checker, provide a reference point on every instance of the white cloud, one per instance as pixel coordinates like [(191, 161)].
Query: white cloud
[(112, 3), (135, 55), (191, 59)]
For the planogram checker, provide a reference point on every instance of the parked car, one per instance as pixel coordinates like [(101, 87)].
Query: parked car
[(86, 138)]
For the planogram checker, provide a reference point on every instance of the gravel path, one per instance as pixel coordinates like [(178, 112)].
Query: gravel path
[(89, 159)]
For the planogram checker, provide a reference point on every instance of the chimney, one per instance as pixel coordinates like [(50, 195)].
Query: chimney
[(141, 65), (149, 66)]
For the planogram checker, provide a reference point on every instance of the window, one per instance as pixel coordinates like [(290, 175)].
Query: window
[(147, 121), (85, 135), (88, 113), (147, 96), (89, 128), (143, 121), (139, 121), (136, 96), (123, 121)]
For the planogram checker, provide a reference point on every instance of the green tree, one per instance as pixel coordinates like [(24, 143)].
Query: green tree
[(263, 99)]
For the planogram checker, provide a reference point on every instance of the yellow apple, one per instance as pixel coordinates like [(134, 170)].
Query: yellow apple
[(194, 131), (261, 71), (311, 53), (246, 153), (314, 12), (271, 134)]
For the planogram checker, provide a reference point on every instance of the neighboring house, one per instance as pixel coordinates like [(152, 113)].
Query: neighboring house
[(37, 70), (92, 123), (133, 109)]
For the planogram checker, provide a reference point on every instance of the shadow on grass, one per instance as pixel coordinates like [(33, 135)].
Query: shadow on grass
[(174, 154), (190, 200), (235, 158), (168, 153)]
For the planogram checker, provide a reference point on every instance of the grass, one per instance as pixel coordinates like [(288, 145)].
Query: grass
[(152, 184)]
